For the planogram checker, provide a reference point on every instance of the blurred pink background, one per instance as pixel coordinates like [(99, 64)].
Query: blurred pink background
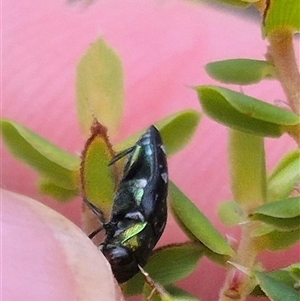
[(164, 46)]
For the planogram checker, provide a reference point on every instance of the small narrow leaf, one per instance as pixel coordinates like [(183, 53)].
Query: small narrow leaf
[(50, 161), (240, 71), (179, 294), (285, 177), (276, 290), (283, 224), (245, 113), (282, 209), (99, 88), (183, 227), (97, 177), (262, 230), (166, 266), (294, 271), (176, 130), (282, 276), (283, 214), (247, 169), (197, 223), (282, 14), (57, 192), (277, 240), (230, 213), (215, 257), (256, 108)]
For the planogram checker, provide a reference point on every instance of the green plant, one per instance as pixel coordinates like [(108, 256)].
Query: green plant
[(262, 205)]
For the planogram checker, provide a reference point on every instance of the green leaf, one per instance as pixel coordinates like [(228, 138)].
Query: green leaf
[(285, 177), (215, 257), (282, 276), (262, 230), (277, 240), (99, 88), (197, 223), (247, 169), (282, 14), (231, 214), (166, 266), (282, 209), (276, 290), (294, 271), (283, 224), (57, 192), (97, 178), (245, 113), (283, 214), (183, 227), (176, 130), (179, 294), (50, 161), (240, 71), (255, 108)]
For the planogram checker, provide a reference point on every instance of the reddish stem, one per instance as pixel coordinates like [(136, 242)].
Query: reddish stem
[(238, 284), (283, 57)]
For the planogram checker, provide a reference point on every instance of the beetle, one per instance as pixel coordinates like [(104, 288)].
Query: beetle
[(139, 211)]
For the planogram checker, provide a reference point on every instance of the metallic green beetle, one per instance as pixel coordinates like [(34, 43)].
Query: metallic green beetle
[(139, 212)]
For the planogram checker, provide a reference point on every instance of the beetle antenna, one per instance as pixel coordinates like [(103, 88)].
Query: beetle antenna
[(95, 210)]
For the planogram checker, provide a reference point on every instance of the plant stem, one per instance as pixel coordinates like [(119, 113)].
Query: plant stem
[(248, 181), (283, 57), (239, 284)]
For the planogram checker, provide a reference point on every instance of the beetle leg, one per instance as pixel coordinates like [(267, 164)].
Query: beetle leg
[(95, 210), (94, 233)]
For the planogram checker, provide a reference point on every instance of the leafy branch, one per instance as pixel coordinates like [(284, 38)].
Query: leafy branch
[(264, 205), (250, 187)]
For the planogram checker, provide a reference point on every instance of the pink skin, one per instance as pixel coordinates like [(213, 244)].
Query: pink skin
[(164, 47), (52, 259)]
